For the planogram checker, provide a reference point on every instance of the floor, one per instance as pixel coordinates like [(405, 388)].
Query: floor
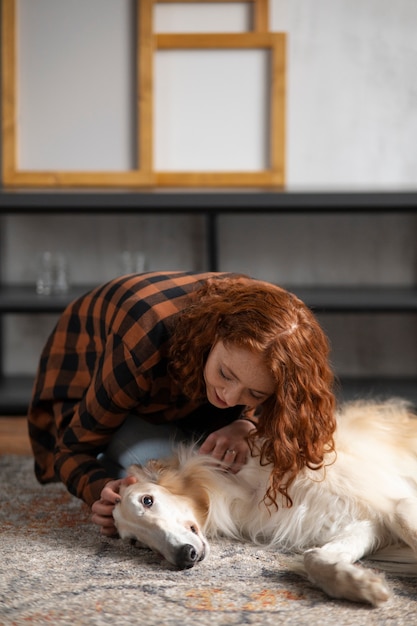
[(13, 435)]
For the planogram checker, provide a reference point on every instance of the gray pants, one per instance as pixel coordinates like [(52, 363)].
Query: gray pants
[(136, 442)]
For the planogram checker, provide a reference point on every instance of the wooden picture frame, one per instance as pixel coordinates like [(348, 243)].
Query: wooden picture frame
[(274, 175), (143, 174), (140, 176)]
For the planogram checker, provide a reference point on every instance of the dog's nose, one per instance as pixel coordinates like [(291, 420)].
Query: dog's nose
[(187, 556)]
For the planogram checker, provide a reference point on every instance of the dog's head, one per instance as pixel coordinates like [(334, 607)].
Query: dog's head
[(163, 512)]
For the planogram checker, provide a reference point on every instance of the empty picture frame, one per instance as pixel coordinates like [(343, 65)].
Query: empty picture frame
[(85, 143), (140, 171), (273, 128)]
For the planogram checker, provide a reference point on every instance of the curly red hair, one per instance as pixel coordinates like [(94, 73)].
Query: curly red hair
[(297, 423)]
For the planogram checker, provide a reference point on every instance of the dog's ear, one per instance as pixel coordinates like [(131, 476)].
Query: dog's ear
[(135, 470), (153, 469), (155, 465)]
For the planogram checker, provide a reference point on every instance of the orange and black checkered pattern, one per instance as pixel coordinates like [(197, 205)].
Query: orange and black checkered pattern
[(106, 358)]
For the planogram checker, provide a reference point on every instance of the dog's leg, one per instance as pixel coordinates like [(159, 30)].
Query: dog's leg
[(332, 568)]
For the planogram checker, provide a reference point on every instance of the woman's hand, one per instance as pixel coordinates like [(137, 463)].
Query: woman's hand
[(102, 509), (229, 444)]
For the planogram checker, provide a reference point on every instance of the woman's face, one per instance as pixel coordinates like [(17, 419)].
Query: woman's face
[(235, 375)]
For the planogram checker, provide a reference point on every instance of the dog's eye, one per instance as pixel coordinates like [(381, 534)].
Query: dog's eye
[(147, 501), (194, 530)]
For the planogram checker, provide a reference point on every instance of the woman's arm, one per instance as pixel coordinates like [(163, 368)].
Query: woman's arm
[(115, 389)]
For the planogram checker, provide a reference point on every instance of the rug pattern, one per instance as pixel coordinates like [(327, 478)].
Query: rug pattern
[(56, 569)]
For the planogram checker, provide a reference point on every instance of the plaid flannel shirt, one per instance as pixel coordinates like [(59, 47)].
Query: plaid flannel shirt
[(107, 358)]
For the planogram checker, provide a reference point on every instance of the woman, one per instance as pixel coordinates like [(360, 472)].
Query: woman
[(145, 358)]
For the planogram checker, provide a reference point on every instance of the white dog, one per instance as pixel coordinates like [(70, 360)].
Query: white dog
[(365, 499)]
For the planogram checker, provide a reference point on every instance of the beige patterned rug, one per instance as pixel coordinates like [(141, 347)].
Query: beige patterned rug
[(56, 569)]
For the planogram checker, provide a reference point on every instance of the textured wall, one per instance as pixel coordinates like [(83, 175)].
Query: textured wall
[(352, 92)]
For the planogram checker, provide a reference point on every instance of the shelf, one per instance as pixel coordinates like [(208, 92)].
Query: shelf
[(189, 201), (15, 391), (15, 394), (358, 299), (23, 299)]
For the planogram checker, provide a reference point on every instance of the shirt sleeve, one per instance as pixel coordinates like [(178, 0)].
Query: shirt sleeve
[(116, 387)]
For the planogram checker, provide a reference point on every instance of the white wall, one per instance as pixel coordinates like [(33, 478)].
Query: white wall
[(352, 124), (352, 99)]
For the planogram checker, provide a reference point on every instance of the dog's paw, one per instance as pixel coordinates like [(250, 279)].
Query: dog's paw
[(361, 585), (341, 579)]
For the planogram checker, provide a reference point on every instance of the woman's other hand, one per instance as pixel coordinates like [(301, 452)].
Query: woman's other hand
[(229, 444)]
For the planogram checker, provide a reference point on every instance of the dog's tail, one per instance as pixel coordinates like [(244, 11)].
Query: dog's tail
[(398, 560)]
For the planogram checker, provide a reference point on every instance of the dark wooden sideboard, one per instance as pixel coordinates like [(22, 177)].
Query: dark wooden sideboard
[(18, 299)]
